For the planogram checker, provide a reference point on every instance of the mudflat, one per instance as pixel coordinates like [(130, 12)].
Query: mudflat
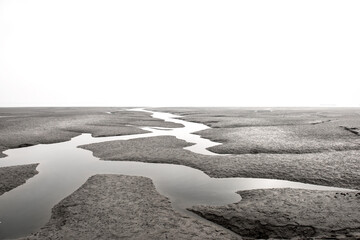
[(22, 127), (335, 168), (123, 207), (277, 130), (12, 177), (289, 213), (318, 146)]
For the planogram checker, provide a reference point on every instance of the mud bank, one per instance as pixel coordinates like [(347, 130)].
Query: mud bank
[(12, 177), (277, 130), (123, 207), (32, 126), (289, 213), (340, 169)]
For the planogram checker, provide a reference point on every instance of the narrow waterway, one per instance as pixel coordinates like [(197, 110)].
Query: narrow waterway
[(63, 168)]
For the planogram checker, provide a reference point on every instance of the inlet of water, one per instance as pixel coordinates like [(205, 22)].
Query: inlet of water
[(63, 168)]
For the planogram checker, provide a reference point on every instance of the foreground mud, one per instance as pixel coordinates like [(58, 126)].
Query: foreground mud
[(123, 207), (289, 213), (12, 177)]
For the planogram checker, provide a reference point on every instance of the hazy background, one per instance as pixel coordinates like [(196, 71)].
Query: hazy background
[(179, 53)]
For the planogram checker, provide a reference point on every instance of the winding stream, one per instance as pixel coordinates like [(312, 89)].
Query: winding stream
[(63, 168)]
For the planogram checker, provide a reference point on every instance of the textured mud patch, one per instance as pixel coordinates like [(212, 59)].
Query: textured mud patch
[(289, 213), (295, 139), (277, 130), (12, 177), (341, 169), (1, 151), (31, 126), (123, 207)]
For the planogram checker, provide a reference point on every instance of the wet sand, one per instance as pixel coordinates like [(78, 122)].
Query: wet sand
[(289, 213), (123, 207), (12, 177)]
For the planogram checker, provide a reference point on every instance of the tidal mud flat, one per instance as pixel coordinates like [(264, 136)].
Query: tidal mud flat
[(331, 167), (340, 169), (326, 165), (123, 207), (277, 130), (289, 213), (12, 177), (23, 127)]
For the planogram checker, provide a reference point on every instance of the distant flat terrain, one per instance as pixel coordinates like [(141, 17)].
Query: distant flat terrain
[(277, 130), (21, 127)]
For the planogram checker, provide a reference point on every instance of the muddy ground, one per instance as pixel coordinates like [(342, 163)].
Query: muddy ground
[(30, 126), (289, 213), (340, 169), (123, 207), (12, 177), (318, 146), (313, 146), (277, 130)]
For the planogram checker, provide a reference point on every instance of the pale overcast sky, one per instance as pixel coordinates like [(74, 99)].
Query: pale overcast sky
[(179, 53)]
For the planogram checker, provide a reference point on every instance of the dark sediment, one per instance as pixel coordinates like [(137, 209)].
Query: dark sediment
[(12, 177), (353, 130)]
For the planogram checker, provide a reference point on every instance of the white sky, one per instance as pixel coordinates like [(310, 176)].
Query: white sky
[(179, 53)]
